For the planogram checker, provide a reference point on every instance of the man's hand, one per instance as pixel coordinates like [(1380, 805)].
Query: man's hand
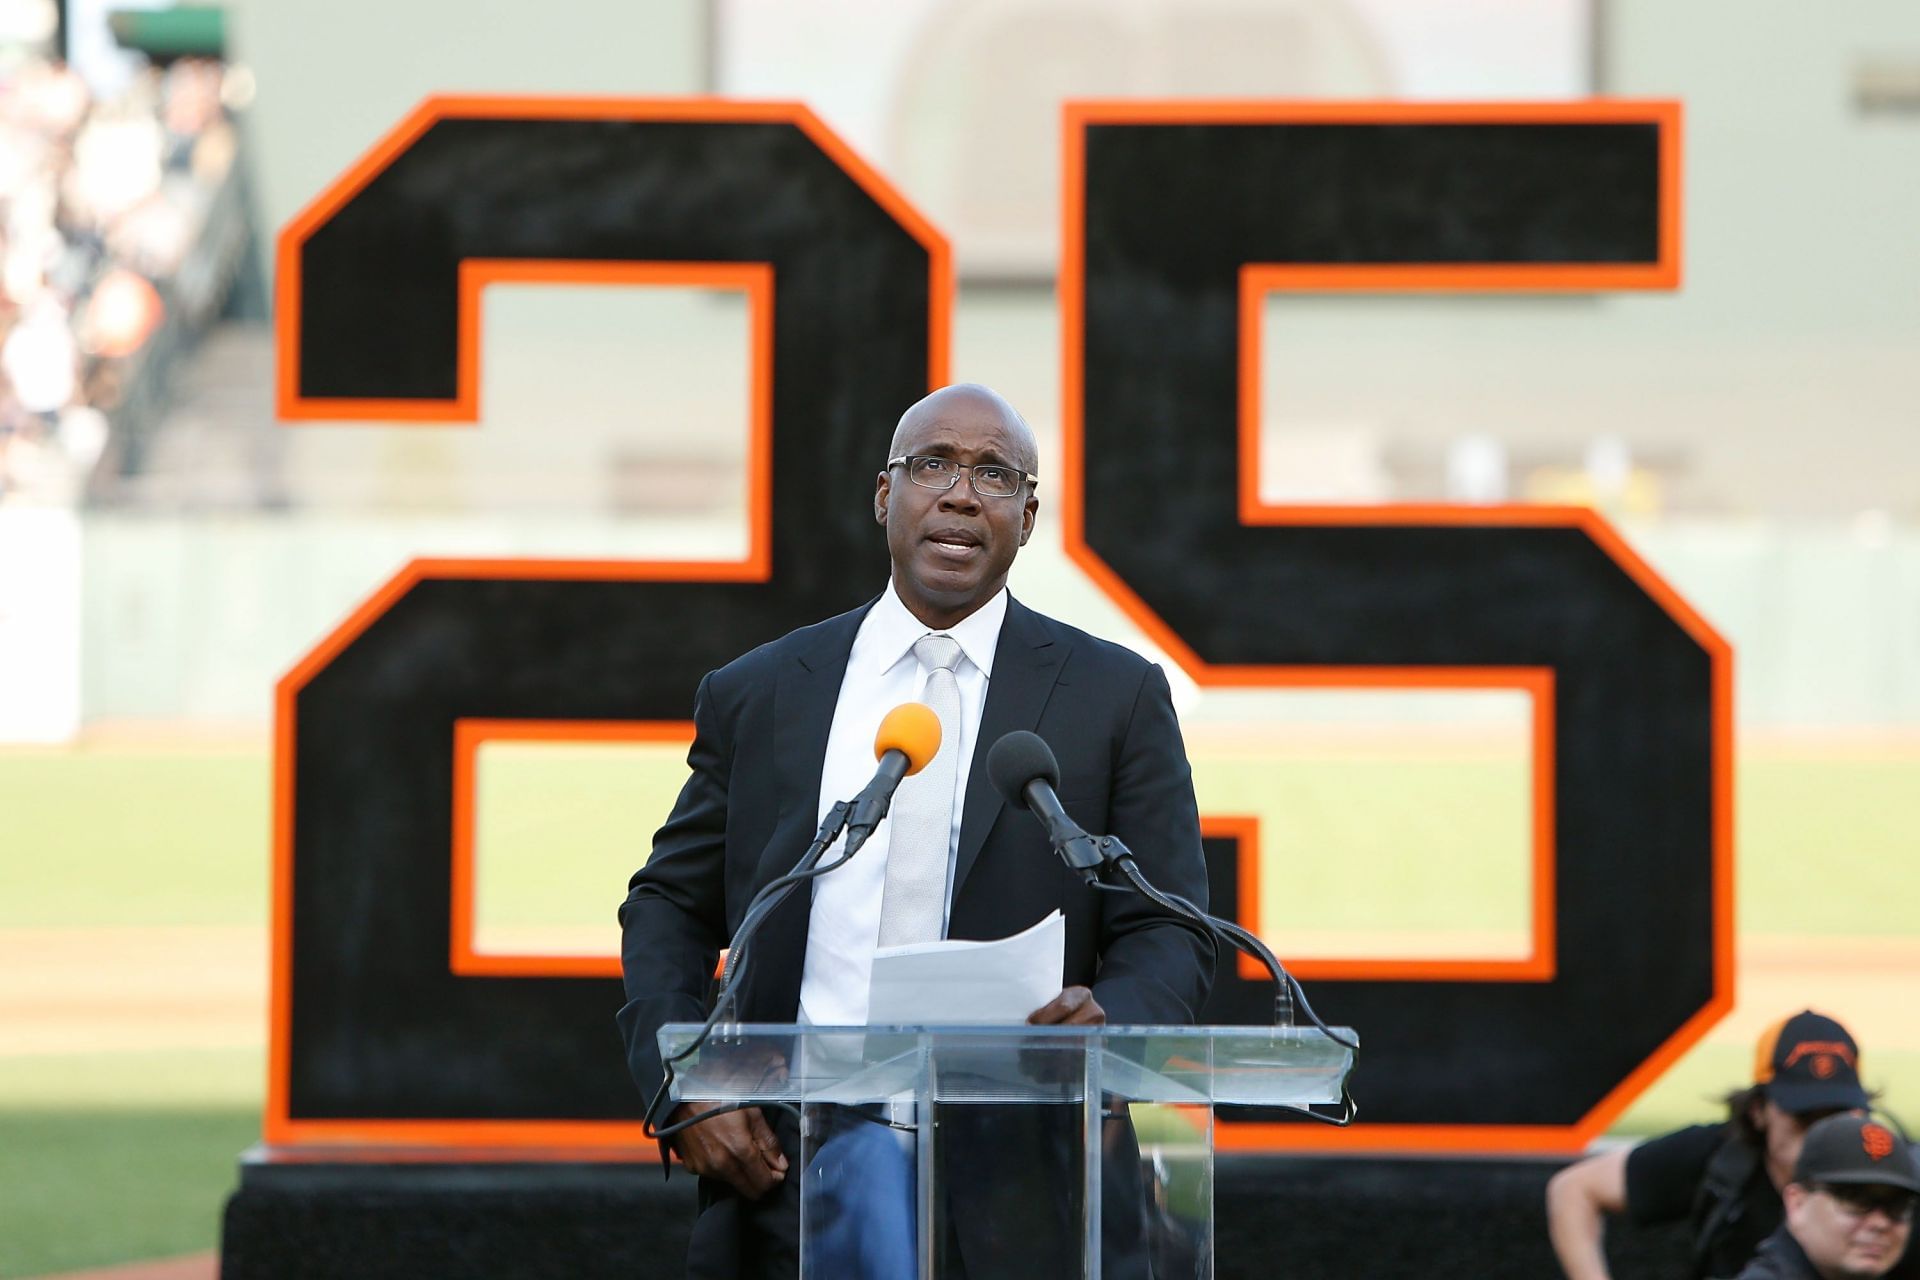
[(738, 1148), (1074, 1007)]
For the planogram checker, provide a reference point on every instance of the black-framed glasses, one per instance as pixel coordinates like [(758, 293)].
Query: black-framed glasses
[(989, 479)]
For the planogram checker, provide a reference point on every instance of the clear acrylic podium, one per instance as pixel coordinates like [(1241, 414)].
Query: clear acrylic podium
[(1042, 1151)]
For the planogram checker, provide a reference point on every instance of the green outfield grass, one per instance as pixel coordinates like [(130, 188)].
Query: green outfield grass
[(133, 837), (561, 827), (115, 1156), (108, 1158), (145, 837), (1825, 844), (86, 1188), (1691, 1092)]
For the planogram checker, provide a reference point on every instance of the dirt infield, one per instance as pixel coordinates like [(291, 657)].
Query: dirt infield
[(195, 1266), (73, 991), (1868, 983), (70, 991)]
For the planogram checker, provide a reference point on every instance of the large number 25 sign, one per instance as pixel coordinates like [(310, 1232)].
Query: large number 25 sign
[(1179, 220)]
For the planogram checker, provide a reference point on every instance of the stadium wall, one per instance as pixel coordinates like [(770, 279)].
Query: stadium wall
[(1785, 342), (195, 617)]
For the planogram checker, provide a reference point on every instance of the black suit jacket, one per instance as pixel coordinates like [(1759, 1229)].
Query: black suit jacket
[(749, 809)]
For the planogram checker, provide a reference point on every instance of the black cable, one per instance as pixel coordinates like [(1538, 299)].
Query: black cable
[(1209, 928), (1349, 1110), (758, 909), (1290, 992), (668, 1131), (1197, 928), (724, 1108)]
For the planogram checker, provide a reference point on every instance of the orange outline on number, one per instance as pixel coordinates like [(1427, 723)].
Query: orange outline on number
[(1541, 961), (752, 279), (524, 1139), (1258, 278), (292, 406), (468, 735)]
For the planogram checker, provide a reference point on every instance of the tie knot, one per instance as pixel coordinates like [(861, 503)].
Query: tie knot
[(937, 653)]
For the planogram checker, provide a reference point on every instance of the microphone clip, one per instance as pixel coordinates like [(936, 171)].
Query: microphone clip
[(868, 809), (1090, 855)]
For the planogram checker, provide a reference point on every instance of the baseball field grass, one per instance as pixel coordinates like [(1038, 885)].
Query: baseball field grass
[(133, 944)]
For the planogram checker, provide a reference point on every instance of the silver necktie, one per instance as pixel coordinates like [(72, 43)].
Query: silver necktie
[(913, 908)]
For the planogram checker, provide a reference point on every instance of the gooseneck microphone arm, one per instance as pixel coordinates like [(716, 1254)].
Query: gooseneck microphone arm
[(909, 737), (1025, 772), (1287, 990), (869, 808), (758, 909), (1288, 993)]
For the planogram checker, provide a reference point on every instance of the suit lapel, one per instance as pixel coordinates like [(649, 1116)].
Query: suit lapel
[(805, 696), (806, 690), (1025, 667)]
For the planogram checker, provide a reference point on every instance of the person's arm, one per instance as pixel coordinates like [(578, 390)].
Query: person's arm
[(673, 925), (673, 922), (1154, 970), (1578, 1197)]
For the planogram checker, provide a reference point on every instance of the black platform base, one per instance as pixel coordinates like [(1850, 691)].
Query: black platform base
[(1317, 1219)]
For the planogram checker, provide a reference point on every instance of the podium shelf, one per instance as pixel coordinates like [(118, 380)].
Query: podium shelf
[(1253, 1066)]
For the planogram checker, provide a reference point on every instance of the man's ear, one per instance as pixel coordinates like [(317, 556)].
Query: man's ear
[(882, 487), (1026, 519)]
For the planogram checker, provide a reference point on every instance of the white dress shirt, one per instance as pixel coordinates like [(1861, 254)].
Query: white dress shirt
[(881, 674)]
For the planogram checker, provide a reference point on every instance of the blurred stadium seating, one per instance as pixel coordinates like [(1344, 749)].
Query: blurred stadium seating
[(125, 229)]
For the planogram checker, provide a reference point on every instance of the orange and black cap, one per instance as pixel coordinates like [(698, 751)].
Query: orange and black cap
[(1809, 1062), (1856, 1150)]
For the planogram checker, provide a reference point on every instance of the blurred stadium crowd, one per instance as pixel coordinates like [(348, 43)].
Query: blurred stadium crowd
[(120, 231)]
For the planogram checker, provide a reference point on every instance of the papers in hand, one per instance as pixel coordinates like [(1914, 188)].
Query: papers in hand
[(956, 981)]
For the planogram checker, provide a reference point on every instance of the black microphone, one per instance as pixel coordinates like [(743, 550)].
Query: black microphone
[(1023, 770)]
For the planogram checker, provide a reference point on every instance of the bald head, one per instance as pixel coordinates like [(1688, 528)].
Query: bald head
[(970, 398), (952, 544)]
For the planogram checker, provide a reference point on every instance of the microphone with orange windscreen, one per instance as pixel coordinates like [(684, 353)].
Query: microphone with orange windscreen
[(909, 737), (912, 730)]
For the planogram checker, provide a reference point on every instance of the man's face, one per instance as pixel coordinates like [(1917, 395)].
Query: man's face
[(951, 548), (1850, 1232), (1785, 1132)]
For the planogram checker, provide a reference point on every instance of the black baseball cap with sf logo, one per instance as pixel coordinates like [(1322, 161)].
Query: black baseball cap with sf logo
[(1809, 1063), (1850, 1150)]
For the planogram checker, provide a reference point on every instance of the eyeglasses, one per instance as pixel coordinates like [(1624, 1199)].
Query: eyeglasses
[(990, 479), (1858, 1201)]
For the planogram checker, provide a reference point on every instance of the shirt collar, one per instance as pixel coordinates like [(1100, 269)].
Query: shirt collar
[(889, 631)]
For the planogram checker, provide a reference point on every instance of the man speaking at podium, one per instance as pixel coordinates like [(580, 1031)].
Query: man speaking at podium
[(786, 730)]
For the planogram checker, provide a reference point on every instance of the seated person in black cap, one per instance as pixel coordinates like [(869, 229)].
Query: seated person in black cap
[(1849, 1206), (1724, 1179)]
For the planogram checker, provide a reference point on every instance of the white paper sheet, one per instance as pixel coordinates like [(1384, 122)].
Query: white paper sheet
[(960, 981)]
